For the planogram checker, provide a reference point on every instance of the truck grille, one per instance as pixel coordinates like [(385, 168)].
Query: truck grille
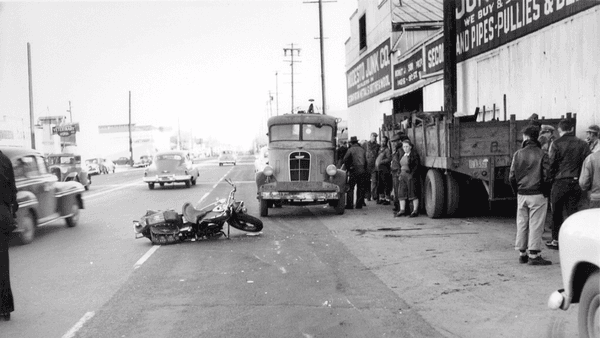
[(299, 166)]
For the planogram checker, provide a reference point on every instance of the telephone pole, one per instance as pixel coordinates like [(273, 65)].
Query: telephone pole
[(70, 115), (277, 93), (31, 126), (292, 50), (130, 142)]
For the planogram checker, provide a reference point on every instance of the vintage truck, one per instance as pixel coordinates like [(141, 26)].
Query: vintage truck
[(301, 163), (460, 154)]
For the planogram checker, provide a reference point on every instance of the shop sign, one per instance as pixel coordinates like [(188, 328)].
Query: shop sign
[(65, 130), (370, 76), (482, 25), (434, 56), (408, 71)]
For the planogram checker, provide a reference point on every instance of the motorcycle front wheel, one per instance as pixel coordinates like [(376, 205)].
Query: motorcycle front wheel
[(246, 222)]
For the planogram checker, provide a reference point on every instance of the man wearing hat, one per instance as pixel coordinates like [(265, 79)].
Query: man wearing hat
[(546, 137), (355, 162), (592, 138), (372, 150)]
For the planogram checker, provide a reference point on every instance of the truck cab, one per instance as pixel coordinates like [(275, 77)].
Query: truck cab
[(301, 163)]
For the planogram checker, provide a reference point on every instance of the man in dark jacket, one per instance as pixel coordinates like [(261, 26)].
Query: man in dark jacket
[(529, 179), (355, 162), (8, 209), (372, 150), (567, 154)]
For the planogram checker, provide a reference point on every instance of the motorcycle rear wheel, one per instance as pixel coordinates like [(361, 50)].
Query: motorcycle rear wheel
[(246, 222)]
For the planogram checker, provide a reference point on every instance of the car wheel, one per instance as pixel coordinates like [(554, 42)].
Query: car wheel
[(151, 186), (162, 184), (73, 220), (264, 208), (220, 164), (27, 227), (194, 181), (188, 183), (589, 307)]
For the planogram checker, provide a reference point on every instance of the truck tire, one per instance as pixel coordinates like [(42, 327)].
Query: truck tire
[(452, 194), (435, 193), (340, 207), (264, 207)]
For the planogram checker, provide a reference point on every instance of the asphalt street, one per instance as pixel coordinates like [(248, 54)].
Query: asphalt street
[(309, 273)]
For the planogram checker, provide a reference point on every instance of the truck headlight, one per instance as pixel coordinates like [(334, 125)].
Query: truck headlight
[(268, 171), (331, 170)]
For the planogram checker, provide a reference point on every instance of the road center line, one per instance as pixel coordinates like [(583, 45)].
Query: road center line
[(86, 196), (71, 333), (146, 256)]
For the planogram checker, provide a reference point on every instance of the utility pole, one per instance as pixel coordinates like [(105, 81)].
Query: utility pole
[(450, 78), (130, 142), (291, 50), (31, 126), (322, 52), (178, 135), (277, 93), (70, 115), (270, 104)]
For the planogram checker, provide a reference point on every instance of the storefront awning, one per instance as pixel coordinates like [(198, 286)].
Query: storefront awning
[(411, 88)]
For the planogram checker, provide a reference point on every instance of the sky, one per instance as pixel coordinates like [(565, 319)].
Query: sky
[(205, 65)]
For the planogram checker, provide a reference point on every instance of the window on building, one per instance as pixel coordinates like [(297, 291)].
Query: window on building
[(362, 31)]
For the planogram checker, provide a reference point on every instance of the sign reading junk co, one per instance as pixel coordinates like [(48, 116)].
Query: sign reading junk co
[(370, 76), (482, 25)]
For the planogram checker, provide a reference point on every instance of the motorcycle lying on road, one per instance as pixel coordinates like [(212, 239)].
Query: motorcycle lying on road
[(169, 226)]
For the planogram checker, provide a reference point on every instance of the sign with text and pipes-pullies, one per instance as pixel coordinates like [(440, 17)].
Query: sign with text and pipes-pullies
[(370, 76), (482, 25)]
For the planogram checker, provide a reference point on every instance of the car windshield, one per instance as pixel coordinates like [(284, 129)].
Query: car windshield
[(54, 160), (310, 132)]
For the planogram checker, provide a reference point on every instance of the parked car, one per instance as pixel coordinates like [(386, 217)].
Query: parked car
[(42, 199), (67, 167), (93, 166), (580, 267), (262, 159), (123, 161), (144, 161), (227, 157), (171, 167), (107, 166)]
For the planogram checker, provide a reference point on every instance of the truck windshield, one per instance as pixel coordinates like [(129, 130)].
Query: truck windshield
[(310, 132)]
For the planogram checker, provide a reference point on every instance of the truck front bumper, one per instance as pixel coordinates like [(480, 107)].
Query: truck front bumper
[(303, 196)]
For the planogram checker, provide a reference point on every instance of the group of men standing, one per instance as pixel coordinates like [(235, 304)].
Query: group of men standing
[(562, 170)]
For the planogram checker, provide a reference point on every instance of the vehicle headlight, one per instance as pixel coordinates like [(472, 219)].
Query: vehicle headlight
[(268, 171), (331, 170), (63, 170)]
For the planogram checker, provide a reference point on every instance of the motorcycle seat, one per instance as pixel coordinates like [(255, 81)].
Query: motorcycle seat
[(192, 214)]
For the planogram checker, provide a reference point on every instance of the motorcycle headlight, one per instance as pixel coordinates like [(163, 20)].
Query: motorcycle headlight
[(331, 170), (268, 171)]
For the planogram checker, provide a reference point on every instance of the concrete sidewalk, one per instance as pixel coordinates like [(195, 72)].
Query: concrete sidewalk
[(461, 274)]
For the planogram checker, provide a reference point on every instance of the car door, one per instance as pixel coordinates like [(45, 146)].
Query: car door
[(36, 179)]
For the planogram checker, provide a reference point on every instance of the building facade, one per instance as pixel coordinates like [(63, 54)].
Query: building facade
[(513, 57)]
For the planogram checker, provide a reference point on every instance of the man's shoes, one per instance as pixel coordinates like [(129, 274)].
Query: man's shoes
[(400, 213), (379, 201), (414, 214), (358, 207), (523, 259), (553, 244), (385, 202), (538, 261), (5, 317), (349, 207), (364, 204)]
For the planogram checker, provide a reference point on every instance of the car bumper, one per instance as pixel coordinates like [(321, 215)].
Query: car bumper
[(300, 196), (167, 179)]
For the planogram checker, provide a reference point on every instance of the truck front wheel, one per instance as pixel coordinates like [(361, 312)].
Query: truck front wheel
[(435, 193), (264, 208), (340, 207)]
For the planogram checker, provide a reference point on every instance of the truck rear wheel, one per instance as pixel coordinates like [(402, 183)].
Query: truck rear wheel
[(452, 194), (435, 193), (264, 208)]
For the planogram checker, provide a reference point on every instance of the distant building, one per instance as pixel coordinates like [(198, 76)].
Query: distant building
[(146, 140)]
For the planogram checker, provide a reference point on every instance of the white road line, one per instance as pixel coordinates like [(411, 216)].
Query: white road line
[(146, 256), (71, 333), (86, 196)]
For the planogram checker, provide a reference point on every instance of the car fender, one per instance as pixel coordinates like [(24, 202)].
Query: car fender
[(579, 250), (27, 200), (70, 176)]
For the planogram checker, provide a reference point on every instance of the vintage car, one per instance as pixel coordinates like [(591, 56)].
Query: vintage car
[(93, 166), (262, 159), (123, 161), (143, 162), (227, 157), (579, 241), (171, 167), (301, 169), (42, 199), (67, 167)]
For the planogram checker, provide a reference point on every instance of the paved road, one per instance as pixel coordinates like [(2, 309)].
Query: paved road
[(310, 273)]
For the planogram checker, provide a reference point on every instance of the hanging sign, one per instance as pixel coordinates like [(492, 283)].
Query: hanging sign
[(66, 129), (370, 76)]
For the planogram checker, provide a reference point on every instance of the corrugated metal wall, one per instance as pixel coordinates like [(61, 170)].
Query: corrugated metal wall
[(550, 72)]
